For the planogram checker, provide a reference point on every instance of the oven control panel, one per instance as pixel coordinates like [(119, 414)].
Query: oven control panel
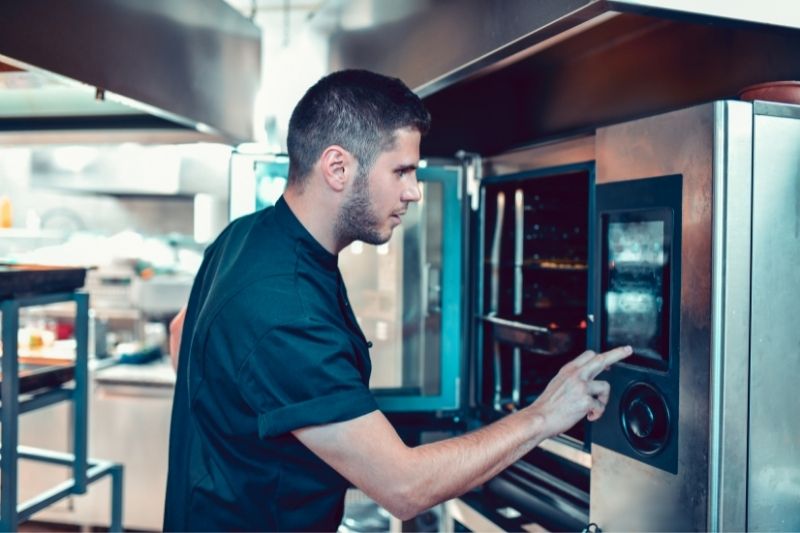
[(638, 303)]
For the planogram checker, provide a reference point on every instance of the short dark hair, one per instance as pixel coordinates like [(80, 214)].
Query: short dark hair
[(355, 109)]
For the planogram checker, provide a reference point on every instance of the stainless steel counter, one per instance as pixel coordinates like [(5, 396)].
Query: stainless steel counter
[(129, 416)]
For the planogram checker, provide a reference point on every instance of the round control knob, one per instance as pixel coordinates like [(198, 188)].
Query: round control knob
[(645, 418), (640, 418)]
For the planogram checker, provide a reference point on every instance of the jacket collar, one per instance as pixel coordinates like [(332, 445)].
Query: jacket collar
[(295, 229)]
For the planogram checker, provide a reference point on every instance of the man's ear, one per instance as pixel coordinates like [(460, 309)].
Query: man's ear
[(337, 166)]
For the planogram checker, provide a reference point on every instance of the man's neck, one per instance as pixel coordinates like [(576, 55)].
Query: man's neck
[(316, 216)]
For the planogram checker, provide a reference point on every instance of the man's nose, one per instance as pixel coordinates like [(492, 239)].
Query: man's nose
[(412, 193)]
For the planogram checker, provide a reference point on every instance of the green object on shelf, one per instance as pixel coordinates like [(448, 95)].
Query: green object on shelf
[(141, 357)]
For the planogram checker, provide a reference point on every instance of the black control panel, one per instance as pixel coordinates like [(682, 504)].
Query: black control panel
[(638, 304)]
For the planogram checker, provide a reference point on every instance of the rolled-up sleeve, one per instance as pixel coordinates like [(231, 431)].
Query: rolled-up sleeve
[(304, 373)]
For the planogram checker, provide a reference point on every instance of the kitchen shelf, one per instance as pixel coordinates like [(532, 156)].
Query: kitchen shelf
[(44, 287), (32, 234), (36, 373)]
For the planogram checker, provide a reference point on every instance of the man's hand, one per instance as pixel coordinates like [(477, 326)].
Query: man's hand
[(574, 393), (175, 332)]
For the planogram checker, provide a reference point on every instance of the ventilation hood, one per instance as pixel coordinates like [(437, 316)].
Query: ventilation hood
[(113, 67), (501, 74)]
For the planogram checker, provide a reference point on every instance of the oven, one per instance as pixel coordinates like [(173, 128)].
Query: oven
[(532, 307), (533, 284), (696, 214), (676, 234)]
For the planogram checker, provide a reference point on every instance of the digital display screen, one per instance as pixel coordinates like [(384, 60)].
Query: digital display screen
[(636, 280)]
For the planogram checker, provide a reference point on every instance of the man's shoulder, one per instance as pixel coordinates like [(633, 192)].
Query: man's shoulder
[(253, 247), (251, 270), (273, 298)]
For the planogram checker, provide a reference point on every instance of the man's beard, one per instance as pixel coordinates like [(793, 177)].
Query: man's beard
[(357, 221)]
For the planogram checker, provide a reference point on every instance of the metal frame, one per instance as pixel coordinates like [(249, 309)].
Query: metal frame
[(730, 316), (84, 470), (773, 403), (449, 397)]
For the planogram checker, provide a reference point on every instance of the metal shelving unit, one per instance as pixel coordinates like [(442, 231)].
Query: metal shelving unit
[(84, 469)]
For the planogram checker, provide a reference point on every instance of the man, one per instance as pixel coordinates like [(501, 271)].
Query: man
[(273, 417)]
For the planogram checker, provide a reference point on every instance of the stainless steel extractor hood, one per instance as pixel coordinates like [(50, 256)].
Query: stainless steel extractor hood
[(127, 64), (505, 73)]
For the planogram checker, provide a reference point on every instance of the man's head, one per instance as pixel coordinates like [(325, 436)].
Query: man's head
[(355, 109), (360, 132)]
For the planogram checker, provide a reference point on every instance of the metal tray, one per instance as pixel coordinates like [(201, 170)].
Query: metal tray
[(541, 340)]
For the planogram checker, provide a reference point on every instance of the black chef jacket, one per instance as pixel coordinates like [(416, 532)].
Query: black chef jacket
[(269, 345)]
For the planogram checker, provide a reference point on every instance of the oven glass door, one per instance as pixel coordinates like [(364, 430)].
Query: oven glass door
[(533, 296), (406, 293)]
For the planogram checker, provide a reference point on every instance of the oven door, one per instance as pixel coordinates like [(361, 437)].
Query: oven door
[(533, 297), (407, 293)]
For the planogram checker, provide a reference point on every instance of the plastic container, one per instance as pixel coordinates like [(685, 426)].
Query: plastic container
[(787, 92)]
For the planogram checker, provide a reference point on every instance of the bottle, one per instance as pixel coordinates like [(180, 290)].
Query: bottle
[(6, 214)]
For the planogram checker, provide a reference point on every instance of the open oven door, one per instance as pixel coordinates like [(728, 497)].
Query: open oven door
[(407, 293)]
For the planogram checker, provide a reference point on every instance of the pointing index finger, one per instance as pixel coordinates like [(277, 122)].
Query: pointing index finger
[(597, 364)]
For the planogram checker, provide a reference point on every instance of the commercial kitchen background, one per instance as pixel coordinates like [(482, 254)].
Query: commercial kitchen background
[(97, 168)]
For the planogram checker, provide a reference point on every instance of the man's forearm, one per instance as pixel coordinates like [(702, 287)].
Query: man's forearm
[(368, 452), (445, 469)]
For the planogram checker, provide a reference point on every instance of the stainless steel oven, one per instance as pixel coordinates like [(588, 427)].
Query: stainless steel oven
[(690, 257), (527, 293), (696, 241)]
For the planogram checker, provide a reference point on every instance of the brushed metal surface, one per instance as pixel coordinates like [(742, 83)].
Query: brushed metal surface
[(404, 39), (554, 154), (774, 466), (730, 316), (625, 67), (626, 494), (460, 511), (566, 451), (193, 62)]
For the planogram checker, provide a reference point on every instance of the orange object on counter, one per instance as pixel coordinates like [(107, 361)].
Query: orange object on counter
[(6, 213)]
